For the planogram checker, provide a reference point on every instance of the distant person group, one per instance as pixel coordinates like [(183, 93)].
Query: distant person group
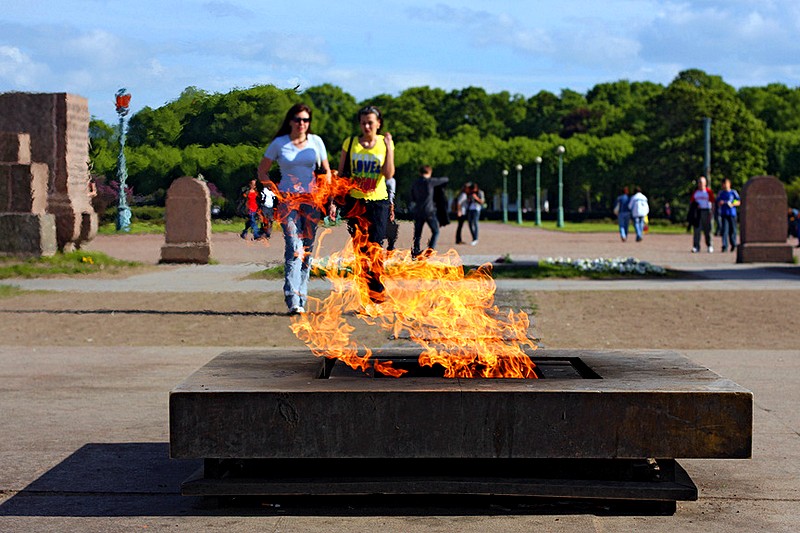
[(704, 208)]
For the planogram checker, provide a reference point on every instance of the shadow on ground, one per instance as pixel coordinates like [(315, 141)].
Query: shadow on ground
[(139, 479)]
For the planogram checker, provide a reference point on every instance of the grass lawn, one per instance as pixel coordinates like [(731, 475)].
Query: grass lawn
[(656, 226), (78, 262), (500, 271), (148, 226)]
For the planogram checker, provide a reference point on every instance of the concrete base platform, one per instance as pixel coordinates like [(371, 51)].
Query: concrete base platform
[(588, 429), (764, 252), (657, 404)]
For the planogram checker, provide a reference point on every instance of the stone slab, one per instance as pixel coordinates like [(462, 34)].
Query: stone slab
[(647, 404), (197, 253), (28, 234), (764, 252)]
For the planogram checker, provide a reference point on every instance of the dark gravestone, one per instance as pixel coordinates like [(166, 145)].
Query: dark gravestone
[(188, 222), (763, 222)]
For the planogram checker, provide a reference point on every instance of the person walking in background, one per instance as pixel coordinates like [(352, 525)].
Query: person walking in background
[(368, 159), (251, 196), (704, 198), (727, 202), (424, 208), (392, 227), (297, 151), (267, 211), (623, 212), (639, 209), (475, 201), (461, 210)]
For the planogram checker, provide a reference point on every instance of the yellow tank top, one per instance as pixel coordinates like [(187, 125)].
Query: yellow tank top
[(365, 169)]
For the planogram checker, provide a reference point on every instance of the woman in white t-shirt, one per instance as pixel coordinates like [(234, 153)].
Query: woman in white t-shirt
[(297, 151)]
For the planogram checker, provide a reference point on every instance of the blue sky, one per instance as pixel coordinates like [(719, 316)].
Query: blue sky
[(157, 48)]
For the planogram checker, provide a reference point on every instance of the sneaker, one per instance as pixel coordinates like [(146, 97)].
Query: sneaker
[(297, 310), (733, 247), (473, 243), (243, 235), (711, 249), (695, 250), (724, 249)]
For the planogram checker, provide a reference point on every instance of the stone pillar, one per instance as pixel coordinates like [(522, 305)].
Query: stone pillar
[(763, 222), (188, 222), (58, 126), (25, 227)]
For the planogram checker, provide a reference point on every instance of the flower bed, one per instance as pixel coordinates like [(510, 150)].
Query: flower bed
[(621, 265)]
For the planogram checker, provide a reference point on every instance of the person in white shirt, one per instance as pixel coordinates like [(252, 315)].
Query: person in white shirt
[(639, 210)]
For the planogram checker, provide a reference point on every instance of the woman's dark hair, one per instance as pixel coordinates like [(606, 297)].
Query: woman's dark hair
[(370, 110), (286, 126)]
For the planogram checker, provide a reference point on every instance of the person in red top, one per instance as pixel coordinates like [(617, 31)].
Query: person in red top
[(252, 219), (703, 197)]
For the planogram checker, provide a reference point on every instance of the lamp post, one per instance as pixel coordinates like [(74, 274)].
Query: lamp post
[(123, 100), (538, 190), (560, 151), (519, 194), (505, 196)]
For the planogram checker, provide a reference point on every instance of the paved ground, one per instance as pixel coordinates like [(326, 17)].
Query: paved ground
[(84, 440)]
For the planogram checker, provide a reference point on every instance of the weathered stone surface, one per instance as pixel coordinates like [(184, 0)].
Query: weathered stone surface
[(58, 125), (27, 188), (15, 148), (763, 222), (187, 232), (28, 234), (650, 404), (197, 253)]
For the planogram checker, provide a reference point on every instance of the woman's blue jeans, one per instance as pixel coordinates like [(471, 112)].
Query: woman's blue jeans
[(299, 229), (624, 221)]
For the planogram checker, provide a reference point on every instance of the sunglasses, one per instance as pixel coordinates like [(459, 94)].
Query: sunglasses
[(298, 120)]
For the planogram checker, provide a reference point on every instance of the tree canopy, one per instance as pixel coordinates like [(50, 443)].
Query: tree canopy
[(616, 134)]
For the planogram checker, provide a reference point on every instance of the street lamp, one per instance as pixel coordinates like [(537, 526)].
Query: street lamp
[(538, 161), (560, 151), (123, 100), (505, 196), (519, 194)]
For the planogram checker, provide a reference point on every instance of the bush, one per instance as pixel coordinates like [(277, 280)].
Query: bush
[(139, 213)]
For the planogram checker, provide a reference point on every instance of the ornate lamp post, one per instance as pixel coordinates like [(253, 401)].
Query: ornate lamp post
[(519, 194), (560, 151), (505, 196), (123, 100), (538, 190)]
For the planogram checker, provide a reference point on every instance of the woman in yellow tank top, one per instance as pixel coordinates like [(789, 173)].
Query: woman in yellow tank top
[(371, 157)]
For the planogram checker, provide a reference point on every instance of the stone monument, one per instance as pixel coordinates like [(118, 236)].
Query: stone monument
[(763, 222), (188, 222), (58, 129), (25, 227)]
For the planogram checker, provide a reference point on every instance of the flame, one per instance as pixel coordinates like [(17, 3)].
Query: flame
[(449, 313)]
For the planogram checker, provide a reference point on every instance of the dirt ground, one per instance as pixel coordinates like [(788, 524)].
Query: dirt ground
[(568, 319), (561, 319)]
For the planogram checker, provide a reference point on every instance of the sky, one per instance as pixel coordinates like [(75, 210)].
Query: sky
[(155, 49)]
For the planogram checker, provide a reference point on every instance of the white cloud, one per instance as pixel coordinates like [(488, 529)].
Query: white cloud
[(18, 70)]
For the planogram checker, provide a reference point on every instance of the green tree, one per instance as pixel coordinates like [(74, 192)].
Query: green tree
[(673, 155)]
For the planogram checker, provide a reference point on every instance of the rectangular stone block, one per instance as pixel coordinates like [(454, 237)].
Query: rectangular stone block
[(272, 405), (764, 252), (28, 234), (198, 253), (15, 148)]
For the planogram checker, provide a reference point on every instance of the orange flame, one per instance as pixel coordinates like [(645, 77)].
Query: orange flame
[(450, 314)]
